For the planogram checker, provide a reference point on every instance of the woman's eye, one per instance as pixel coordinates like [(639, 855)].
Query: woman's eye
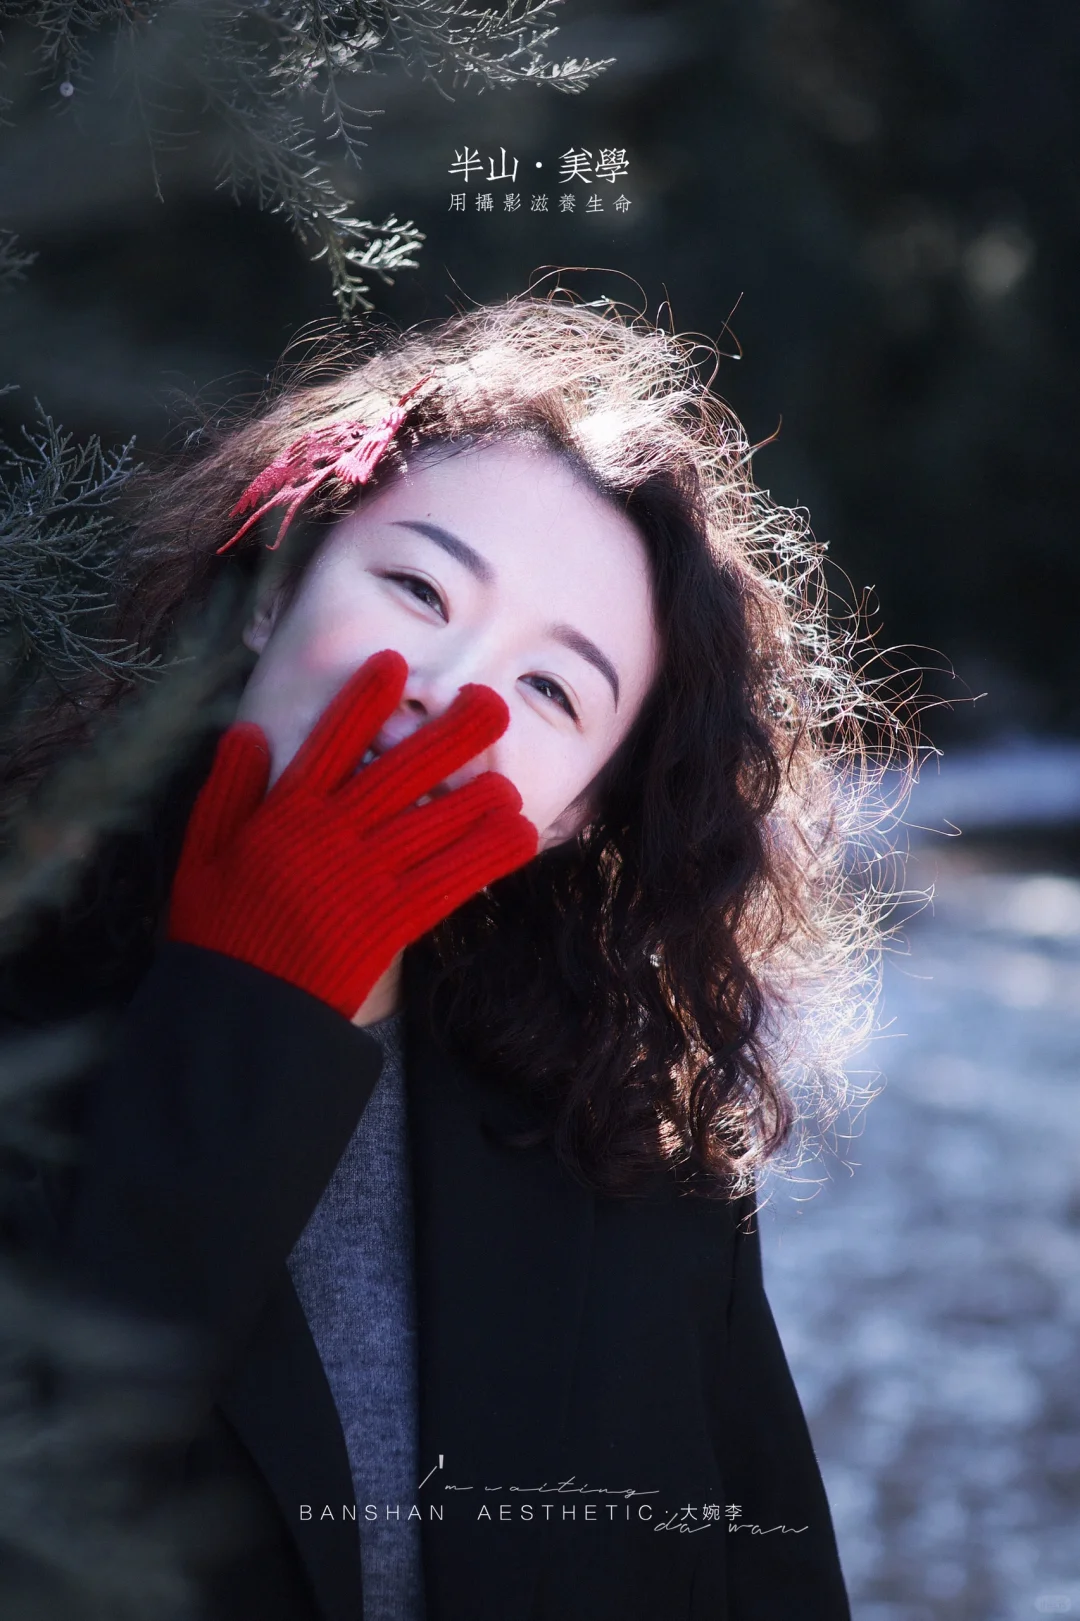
[(555, 692), (421, 590)]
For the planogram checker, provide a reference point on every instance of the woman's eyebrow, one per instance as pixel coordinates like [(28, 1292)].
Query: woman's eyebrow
[(578, 642), (453, 544), (575, 640)]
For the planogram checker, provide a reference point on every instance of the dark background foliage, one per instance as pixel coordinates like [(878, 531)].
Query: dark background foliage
[(876, 202)]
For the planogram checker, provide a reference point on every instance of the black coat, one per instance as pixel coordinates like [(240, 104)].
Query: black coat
[(572, 1348)]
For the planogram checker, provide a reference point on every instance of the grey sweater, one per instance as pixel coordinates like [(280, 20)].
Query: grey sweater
[(352, 1268)]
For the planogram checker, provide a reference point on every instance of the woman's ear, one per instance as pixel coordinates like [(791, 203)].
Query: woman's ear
[(569, 823), (264, 617)]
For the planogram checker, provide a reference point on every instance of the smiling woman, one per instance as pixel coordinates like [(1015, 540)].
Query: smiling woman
[(549, 572), (509, 911)]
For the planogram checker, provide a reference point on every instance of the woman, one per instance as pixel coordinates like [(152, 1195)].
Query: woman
[(459, 1031)]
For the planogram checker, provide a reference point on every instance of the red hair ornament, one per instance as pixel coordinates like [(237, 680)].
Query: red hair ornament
[(350, 451)]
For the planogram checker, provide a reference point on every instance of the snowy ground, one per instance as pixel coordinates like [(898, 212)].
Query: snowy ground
[(929, 1299)]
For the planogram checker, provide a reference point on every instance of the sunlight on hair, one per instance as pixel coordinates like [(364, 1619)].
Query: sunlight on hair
[(691, 978)]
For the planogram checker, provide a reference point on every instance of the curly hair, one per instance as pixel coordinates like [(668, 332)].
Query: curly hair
[(681, 984)]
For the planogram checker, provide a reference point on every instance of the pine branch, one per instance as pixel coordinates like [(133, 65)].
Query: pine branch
[(14, 263), (495, 46), (58, 544), (275, 79), (269, 154), (106, 786), (65, 24)]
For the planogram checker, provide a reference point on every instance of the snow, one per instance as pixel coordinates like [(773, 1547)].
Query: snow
[(1024, 781), (928, 1292)]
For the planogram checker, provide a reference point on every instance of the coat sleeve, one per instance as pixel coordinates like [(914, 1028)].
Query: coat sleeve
[(790, 1566), (210, 1132)]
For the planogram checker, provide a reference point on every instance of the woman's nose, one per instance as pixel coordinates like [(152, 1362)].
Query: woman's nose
[(425, 702)]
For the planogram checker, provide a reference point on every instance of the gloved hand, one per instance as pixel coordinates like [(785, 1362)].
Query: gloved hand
[(326, 878)]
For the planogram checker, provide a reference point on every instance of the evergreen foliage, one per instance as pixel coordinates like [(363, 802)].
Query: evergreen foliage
[(58, 544), (273, 83), (14, 263)]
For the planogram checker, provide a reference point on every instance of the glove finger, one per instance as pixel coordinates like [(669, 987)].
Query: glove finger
[(498, 844), (423, 760), (428, 829), (233, 791), (335, 746)]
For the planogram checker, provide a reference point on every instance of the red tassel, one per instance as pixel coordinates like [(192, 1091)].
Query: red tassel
[(350, 451)]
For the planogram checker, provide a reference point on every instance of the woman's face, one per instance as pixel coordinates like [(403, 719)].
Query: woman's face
[(497, 565)]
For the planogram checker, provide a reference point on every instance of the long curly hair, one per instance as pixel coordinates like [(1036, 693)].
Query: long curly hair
[(681, 984)]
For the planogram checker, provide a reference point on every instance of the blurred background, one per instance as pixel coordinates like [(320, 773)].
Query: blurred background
[(874, 211)]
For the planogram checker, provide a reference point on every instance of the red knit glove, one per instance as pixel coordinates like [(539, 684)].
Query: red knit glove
[(327, 877)]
